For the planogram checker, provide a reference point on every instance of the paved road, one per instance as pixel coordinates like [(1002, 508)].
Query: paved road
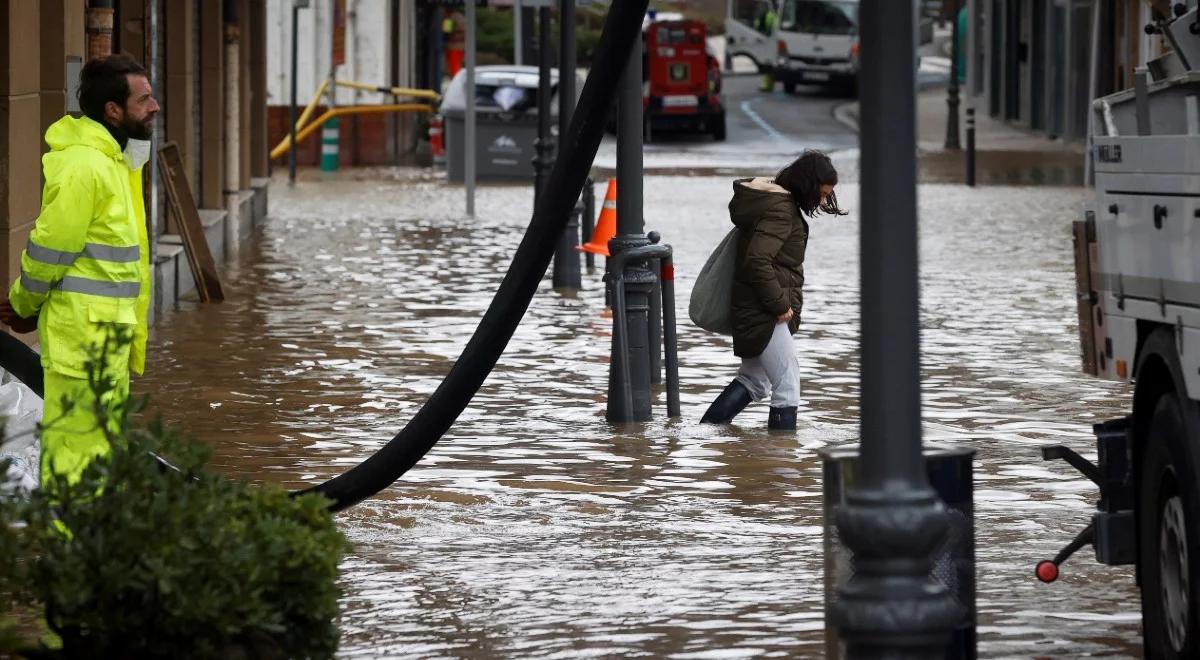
[(804, 117), (763, 129)]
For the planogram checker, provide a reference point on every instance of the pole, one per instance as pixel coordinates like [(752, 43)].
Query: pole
[(636, 278), (566, 65), (671, 344), (469, 133), (292, 108), (566, 257), (155, 217), (971, 145), (952, 142), (892, 521), (233, 158), (330, 132), (543, 159), (518, 35), (439, 51), (1094, 70), (589, 220), (528, 25)]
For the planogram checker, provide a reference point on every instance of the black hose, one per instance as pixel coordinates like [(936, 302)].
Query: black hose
[(622, 25), (578, 149), (19, 360)]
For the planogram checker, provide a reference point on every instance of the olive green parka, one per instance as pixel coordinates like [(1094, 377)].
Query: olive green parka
[(770, 262)]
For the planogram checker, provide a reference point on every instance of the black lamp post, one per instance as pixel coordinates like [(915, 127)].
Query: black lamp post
[(952, 89), (893, 521)]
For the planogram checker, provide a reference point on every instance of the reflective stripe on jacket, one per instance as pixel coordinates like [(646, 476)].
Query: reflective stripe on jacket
[(87, 262)]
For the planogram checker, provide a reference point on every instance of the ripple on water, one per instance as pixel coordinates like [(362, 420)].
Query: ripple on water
[(535, 529)]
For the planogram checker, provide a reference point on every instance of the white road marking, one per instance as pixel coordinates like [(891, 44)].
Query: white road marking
[(762, 123)]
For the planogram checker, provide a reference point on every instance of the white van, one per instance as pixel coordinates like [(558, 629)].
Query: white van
[(817, 43), (749, 31)]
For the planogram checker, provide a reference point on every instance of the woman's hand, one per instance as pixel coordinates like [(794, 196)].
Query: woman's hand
[(785, 317)]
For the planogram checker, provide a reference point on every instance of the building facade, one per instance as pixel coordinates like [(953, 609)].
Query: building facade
[(387, 43), (207, 62), (1038, 63)]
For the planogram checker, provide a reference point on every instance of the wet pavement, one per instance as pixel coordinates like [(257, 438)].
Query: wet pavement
[(534, 528)]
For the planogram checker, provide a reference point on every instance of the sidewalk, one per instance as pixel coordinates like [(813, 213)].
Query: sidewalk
[(1005, 154)]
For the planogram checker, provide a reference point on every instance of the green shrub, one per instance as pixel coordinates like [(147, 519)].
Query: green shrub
[(158, 562)]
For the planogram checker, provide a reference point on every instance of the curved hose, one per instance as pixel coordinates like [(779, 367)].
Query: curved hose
[(19, 360), (578, 149)]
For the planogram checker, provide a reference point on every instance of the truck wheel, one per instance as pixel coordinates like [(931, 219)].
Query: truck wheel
[(646, 133), (1169, 533), (789, 88), (718, 129)]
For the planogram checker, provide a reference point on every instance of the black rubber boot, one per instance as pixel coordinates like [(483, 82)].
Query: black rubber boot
[(782, 419), (732, 401)]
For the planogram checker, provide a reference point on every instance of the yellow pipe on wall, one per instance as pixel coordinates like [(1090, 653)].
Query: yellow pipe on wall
[(394, 91), (308, 110), (309, 129)]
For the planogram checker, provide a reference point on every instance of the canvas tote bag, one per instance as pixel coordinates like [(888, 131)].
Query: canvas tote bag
[(711, 305)]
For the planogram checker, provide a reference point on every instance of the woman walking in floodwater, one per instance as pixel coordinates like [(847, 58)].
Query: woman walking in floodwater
[(768, 278)]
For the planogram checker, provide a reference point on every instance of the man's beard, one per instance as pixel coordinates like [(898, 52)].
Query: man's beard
[(135, 129)]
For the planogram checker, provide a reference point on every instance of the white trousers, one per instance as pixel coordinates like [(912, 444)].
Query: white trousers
[(775, 372)]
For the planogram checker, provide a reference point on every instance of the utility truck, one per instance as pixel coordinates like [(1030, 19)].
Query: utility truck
[(1137, 258), (800, 42)]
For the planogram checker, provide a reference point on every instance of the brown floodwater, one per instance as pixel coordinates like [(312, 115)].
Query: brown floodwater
[(535, 528)]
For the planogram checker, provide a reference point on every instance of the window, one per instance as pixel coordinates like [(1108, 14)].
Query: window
[(676, 36), (754, 13), (819, 17)]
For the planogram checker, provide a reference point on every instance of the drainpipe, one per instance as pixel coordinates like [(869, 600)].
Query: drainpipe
[(232, 130), (99, 28), (155, 216), (352, 40)]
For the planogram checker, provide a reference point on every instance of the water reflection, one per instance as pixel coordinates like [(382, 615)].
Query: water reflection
[(536, 529)]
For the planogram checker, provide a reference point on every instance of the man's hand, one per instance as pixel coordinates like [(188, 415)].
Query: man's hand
[(785, 317), (19, 324)]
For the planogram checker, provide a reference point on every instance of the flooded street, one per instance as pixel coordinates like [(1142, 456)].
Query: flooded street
[(534, 528)]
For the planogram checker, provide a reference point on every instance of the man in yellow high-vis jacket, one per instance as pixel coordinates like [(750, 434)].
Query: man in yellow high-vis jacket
[(85, 273)]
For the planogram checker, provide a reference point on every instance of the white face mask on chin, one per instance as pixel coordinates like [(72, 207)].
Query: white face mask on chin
[(137, 153)]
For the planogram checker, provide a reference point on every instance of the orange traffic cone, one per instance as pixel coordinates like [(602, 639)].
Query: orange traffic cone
[(606, 227)]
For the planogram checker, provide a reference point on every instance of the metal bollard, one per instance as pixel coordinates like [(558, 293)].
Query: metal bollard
[(666, 278), (329, 146), (971, 146), (566, 257), (621, 405), (656, 330), (588, 225)]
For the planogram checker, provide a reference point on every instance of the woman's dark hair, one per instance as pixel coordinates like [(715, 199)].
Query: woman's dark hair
[(104, 79), (804, 178)]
